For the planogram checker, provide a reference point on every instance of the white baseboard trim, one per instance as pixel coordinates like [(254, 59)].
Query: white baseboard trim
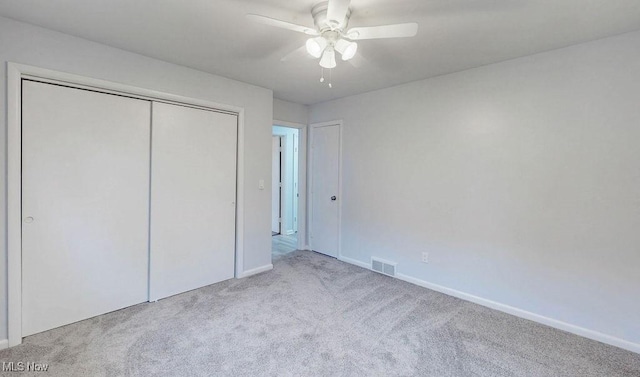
[(290, 232), (307, 247), (4, 343), (560, 325), (255, 271), (568, 327), (354, 261)]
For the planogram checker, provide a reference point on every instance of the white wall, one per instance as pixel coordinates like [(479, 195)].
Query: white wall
[(22, 43), (521, 179), (290, 112), (289, 176)]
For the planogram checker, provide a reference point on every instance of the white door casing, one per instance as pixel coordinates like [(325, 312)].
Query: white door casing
[(193, 195), (325, 188), (275, 184), (85, 195), (296, 178)]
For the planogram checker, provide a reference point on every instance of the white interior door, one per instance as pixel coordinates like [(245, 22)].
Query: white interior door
[(275, 183), (85, 203), (193, 194), (325, 165)]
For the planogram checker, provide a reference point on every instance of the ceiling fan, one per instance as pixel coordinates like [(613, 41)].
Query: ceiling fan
[(331, 33)]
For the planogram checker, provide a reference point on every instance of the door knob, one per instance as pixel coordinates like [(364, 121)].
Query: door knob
[(333, 198), (28, 220)]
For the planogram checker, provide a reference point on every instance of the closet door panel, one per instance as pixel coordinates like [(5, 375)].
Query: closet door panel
[(85, 191), (193, 194)]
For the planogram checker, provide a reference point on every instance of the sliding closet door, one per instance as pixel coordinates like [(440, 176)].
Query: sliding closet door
[(193, 194), (85, 203)]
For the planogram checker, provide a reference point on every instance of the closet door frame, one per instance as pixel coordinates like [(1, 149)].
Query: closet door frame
[(15, 74)]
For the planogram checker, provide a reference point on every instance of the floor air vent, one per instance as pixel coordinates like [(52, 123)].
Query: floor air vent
[(383, 267)]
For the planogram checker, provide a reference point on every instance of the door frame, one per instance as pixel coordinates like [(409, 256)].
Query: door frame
[(312, 127), (302, 179), (15, 73), (280, 186)]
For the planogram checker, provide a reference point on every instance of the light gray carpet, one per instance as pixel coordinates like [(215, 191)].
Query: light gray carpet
[(316, 316)]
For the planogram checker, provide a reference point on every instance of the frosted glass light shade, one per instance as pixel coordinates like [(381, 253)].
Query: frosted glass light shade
[(328, 58), (346, 49), (315, 46)]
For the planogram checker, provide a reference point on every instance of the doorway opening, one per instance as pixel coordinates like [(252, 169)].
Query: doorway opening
[(285, 190)]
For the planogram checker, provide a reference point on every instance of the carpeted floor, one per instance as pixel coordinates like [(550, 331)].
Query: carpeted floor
[(316, 316)]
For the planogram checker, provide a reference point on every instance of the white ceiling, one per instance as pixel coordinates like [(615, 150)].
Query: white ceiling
[(214, 36)]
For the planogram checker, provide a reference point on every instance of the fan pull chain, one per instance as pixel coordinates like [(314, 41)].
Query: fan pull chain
[(330, 76)]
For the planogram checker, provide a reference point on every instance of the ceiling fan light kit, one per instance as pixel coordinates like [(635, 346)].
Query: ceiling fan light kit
[(328, 59), (331, 19), (346, 49), (327, 44), (315, 46)]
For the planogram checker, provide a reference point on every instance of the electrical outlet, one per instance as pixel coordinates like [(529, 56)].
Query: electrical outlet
[(425, 257)]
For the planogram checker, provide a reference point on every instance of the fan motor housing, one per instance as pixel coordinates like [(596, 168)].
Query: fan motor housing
[(319, 13)]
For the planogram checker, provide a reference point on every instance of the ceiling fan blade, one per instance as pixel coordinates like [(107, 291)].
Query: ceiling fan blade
[(281, 24), (337, 11), (299, 53), (385, 31)]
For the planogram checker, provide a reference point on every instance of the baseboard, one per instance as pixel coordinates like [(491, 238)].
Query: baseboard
[(255, 271), (354, 261), (290, 232), (307, 247), (4, 343), (560, 325)]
